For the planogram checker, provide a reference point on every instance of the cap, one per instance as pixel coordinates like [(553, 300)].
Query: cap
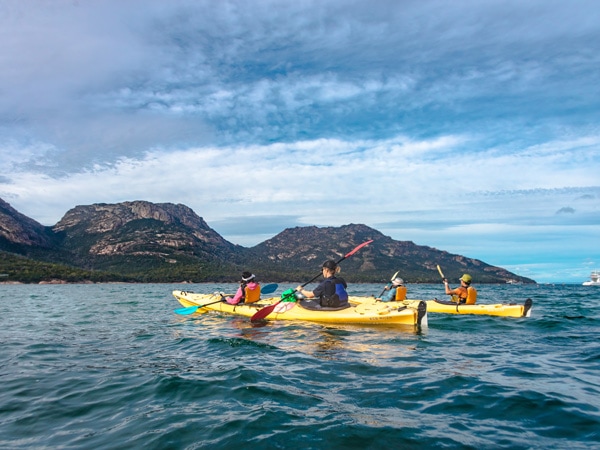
[(330, 264), (466, 278), (397, 281)]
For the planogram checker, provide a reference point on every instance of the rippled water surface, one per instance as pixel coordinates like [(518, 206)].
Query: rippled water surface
[(111, 366)]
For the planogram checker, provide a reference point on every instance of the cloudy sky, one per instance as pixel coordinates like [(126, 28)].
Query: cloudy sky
[(470, 126)]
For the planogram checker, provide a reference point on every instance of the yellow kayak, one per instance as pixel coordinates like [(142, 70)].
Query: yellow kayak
[(368, 312), (445, 307)]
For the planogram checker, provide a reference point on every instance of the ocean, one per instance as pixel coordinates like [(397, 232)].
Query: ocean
[(111, 366)]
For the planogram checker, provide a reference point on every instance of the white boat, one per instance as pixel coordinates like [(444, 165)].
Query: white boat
[(595, 279)]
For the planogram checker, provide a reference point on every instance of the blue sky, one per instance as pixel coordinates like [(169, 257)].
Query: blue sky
[(468, 126)]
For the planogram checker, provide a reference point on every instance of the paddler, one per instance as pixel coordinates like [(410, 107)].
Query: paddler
[(395, 292), (465, 293), (331, 292), (248, 292)]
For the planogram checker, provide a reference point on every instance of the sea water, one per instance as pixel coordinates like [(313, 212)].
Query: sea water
[(111, 366)]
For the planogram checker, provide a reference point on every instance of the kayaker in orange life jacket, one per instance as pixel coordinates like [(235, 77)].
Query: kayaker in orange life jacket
[(396, 292), (248, 292), (332, 290), (465, 293)]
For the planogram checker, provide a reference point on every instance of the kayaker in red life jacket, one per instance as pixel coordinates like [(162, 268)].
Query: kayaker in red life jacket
[(465, 293), (332, 290), (248, 292)]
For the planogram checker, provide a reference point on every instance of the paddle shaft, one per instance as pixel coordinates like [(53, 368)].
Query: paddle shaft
[(387, 285), (193, 309), (452, 295), (339, 261)]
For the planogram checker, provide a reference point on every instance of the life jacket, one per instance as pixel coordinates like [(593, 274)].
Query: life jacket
[(400, 293), (335, 295), (251, 292), (471, 295), (467, 296)]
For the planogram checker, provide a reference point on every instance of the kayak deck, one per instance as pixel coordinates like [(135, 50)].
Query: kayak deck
[(438, 306), (368, 312), (498, 309)]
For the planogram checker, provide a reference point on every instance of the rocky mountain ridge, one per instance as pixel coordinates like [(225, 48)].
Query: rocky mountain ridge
[(156, 242), (169, 226), (17, 229)]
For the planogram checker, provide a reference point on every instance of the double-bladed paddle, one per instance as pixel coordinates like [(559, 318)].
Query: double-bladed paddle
[(264, 312), (267, 289)]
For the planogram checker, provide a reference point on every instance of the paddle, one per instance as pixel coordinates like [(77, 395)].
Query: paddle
[(453, 298), (441, 273), (268, 289), (264, 312), (527, 307), (388, 285), (421, 312)]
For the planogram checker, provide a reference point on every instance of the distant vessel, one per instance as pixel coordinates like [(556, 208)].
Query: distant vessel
[(514, 282), (595, 279)]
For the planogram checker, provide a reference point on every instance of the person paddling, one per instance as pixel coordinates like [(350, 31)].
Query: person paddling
[(395, 292), (332, 290), (465, 293), (248, 292)]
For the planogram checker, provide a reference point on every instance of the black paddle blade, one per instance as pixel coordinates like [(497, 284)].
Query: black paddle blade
[(527, 306), (421, 312)]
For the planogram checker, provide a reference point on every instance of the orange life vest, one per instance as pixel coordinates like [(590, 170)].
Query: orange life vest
[(400, 293), (471, 295), (252, 295)]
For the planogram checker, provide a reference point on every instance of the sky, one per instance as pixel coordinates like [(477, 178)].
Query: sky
[(469, 126)]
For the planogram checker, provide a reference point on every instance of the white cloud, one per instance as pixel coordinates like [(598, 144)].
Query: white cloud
[(437, 123), (425, 175)]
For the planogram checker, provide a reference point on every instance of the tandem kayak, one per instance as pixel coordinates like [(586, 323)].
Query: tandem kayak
[(368, 312), (446, 307)]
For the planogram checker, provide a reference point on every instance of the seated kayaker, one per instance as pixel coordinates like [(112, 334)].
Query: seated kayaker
[(395, 292), (465, 293), (248, 292), (331, 292)]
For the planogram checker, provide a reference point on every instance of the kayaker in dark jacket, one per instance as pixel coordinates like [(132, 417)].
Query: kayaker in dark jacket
[(465, 293), (331, 292)]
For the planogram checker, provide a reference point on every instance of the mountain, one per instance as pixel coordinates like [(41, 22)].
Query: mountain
[(148, 242), (20, 234), (146, 239), (295, 250)]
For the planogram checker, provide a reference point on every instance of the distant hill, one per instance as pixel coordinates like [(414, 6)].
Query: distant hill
[(301, 251), (147, 242), (21, 234)]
